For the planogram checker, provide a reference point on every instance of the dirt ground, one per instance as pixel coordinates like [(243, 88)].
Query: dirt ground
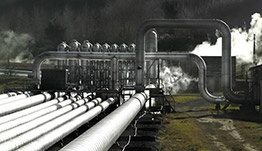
[(197, 126)]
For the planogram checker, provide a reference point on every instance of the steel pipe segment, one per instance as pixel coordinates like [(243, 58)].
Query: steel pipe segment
[(6, 95), (190, 24), (27, 111), (202, 74), (148, 56), (34, 115), (32, 134), (13, 98), (13, 132), (50, 138), (103, 135), (24, 103)]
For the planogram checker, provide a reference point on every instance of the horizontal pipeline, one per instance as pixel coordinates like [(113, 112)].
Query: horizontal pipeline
[(103, 135), (50, 138), (32, 134)]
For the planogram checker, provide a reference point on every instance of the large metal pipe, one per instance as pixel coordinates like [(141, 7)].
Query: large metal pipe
[(14, 132), (189, 24), (50, 138), (32, 109), (29, 117), (103, 135), (22, 139), (13, 98), (201, 65), (151, 46), (131, 56), (6, 95), (24, 103)]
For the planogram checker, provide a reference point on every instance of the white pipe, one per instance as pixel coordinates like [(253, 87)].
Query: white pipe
[(6, 135), (47, 140), (102, 135), (24, 103), (27, 111), (6, 95), (13, 98), (34, 115), (18, 141)]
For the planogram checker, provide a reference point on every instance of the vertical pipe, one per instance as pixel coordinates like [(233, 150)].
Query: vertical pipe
[(151, 66), (191, 24)]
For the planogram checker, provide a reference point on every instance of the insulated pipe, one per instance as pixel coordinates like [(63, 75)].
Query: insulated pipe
[(131, 56), (201, 65), (50, 138), (62, 47), (13, 98), (22, 139), (103, 135), (24, 103), (27, 111), (191, 24), (34, 115), (14, 132), (151, 46), (6, 95)]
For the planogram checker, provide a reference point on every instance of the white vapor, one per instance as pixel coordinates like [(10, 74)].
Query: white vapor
[(175, 80), (16, 44), (241, 42)]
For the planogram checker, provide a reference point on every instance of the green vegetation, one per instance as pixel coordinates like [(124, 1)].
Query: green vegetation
[(180, 133), (14, 82), (183, 98), (204, 128)]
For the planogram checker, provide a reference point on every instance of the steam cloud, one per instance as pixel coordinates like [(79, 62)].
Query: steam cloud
[(175, 80), (242, 42), (17, 45)]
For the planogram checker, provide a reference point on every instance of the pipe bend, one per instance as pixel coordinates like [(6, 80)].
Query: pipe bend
[(202, 83)]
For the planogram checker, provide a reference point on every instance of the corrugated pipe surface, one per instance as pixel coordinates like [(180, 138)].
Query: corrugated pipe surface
[(22, 139), (27, 111), (24, 103), (57, 134), (103, 135)]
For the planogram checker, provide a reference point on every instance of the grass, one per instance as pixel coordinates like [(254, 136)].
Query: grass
[(183, 132), (14, 82), (179, 131), (182, 98), (180, 134)]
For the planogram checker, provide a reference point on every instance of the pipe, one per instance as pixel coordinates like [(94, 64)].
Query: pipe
[(14, 132), (22, 139), (7, 95), (35, 115), (151, 46), (27, 111), (131, 56), (191, 24), (202, 72), (102, 135), (56, 134), (14, 98), (24, 103)]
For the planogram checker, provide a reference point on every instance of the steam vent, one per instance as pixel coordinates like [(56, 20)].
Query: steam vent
[(88, 96)]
